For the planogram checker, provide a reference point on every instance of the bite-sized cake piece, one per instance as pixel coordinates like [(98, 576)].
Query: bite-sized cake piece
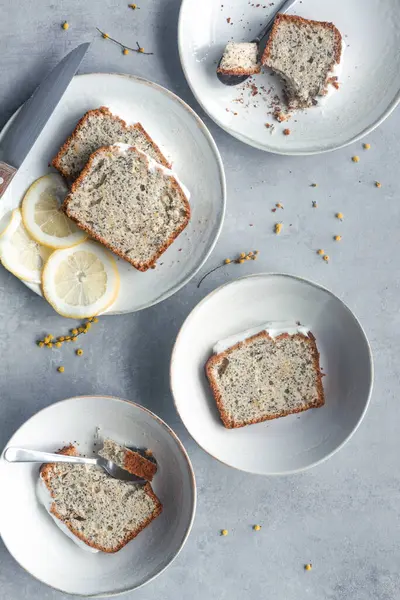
[(265, 375), (304, 53), (129, 460), (240, 59)]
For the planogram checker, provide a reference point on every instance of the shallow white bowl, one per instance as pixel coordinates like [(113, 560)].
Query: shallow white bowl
[(183, 138), (292, 443), (44, 550), (370, 78)]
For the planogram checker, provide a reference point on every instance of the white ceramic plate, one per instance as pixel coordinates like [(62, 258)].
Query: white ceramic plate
[(292, 443), (44, 550), (370, 80), (183, 138)]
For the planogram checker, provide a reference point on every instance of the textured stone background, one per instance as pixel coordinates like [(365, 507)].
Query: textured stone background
[(342, 515)]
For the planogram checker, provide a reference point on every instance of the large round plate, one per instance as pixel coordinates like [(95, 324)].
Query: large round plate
[(370, 79), (184, 139), (292, 443), (44, 550)]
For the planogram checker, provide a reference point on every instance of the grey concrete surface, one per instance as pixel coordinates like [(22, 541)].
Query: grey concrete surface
[(343, 515)]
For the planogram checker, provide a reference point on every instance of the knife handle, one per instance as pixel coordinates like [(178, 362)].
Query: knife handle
[(7, 172)]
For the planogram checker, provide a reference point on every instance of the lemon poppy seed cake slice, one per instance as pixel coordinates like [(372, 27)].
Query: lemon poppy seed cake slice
[(304, 53), (129, 203), (240, 58), (99, 128), (103, 512), (265, 375)]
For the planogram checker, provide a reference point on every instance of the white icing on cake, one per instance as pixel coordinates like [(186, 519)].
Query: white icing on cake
[(273, 328)]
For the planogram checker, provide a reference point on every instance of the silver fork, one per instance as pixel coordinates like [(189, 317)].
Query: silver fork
[(23, 455)]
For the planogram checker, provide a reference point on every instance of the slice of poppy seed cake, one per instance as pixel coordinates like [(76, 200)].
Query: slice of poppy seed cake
[(304, 53), (130, 203), (129, 460), (99, 128), (264, 377)]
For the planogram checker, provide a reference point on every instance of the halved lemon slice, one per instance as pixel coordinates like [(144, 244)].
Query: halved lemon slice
[(43, 217), (82, 281), (19, 253)]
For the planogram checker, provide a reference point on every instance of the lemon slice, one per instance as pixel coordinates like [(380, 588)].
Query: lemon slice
[(82, 281), (19, 253), (43, 218)]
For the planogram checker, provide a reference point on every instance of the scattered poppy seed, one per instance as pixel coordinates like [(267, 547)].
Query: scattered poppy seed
[(355, 158)]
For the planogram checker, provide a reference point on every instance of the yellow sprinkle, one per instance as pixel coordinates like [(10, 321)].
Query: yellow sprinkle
[(58, 344), (326, 258), (79, 352), (125, 51), (242, 255), (378, 184), (227, 261), (95, 320), (337, 238), (366, 146), (40, 344), (224, 532), (256, 527), (74, 331), (278, 228), (308, 567), (355, 158), (105, 36), (65, 25), (321, 252), (339, 216), (61, 369), (49, 345)]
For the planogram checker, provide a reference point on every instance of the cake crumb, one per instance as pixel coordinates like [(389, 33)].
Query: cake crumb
[(286, 132)]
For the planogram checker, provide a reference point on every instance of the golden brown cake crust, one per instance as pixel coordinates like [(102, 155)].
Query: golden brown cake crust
[(280, 18), (228, 422), (103, 110), (46, 472), (138, 465), (139, 266), (240, 71)]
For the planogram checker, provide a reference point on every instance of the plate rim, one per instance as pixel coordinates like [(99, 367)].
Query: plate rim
[(192, 481), (245, 140), (272, 274), (221, 170)]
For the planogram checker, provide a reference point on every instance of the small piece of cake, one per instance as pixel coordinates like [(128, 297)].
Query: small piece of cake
[(304, 54), (103, 512), (240, 59), (265, 375), (131, 461), (128, 202)]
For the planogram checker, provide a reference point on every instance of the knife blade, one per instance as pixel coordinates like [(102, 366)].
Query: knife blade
[(34, 114)]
